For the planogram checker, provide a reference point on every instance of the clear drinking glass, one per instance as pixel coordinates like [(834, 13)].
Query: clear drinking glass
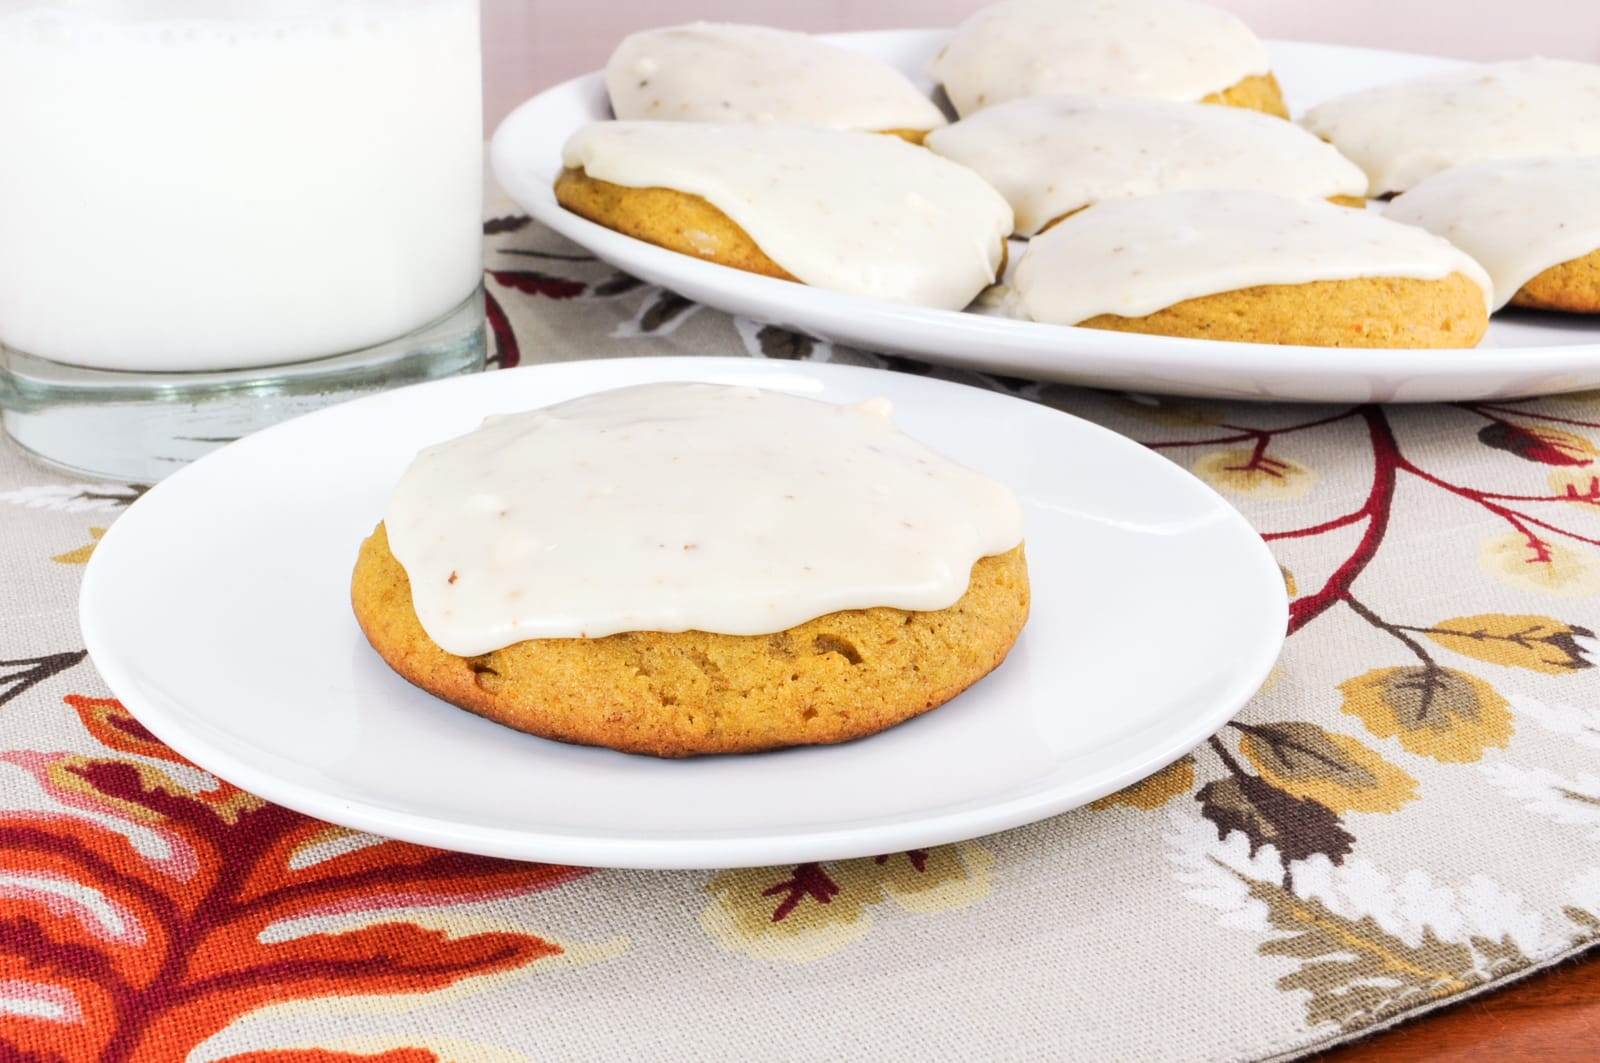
[(215, 214)]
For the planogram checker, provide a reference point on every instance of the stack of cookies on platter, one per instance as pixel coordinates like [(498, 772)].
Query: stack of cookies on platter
[(1141, 150)]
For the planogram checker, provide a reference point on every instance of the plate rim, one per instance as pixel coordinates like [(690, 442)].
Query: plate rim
[(1195, 355), (664, 853)]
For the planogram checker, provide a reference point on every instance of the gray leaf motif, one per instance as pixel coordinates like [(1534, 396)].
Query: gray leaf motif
[(1295, 750), (76, 498), (774, 341), (616, 284), (660, 314), (781, 343), (506, 224), (1357, 973), (19, 676)]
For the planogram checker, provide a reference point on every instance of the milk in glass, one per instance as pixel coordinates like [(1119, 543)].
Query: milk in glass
[(213, 184)]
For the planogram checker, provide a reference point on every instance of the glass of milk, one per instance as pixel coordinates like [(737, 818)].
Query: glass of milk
[(218, 213)]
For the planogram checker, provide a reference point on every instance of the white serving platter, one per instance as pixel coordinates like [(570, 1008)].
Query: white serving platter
[(1524, 353)]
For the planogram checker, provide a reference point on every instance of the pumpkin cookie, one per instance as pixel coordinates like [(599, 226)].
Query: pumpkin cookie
[(1402, 133), (1534, 225), (1572, 286), (683, 568), (852, 212), (719, 72), (832, 679), (1166, 49), (1258, 92), (1253, 267), (677, 221), (1053, 155)]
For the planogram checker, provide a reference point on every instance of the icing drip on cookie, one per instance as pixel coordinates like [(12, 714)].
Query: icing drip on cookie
[(1133, 257), (852, 212), (1170, 49), (1051, 155), (676, 507), (716, 72), (1405, 132), (1516, 218)]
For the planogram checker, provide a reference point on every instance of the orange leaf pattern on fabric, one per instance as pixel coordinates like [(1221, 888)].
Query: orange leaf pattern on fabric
[(114, 727), (319, 1055), (152, 935)]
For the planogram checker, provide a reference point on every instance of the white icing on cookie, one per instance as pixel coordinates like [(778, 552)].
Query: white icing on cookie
[(678, 507), (1133, 257), (1051, 155), (1169, 49), (1517, 218), (718, 72), (1404, 132), (852, 212)]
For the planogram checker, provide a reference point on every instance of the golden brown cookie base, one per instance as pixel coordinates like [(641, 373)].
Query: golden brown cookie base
[(910, 136), (831, 679), (1358, 202), (1364, 312), (1572, 287), (667, 218), (1258, 92), (677, 221)]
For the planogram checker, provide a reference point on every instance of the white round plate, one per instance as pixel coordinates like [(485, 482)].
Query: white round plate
[(217, 608), (1525, 353)]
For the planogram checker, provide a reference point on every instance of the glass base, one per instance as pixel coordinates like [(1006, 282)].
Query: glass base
[(140, 427)]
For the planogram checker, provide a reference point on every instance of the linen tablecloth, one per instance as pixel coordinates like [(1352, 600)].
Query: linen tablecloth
[(1408, 813)]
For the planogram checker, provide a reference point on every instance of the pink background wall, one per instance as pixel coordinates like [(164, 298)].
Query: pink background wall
[(533, 43)]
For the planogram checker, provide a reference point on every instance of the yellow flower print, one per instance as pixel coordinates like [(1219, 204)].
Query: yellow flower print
[(80, 556), (1335, 770), (809, 911), (1151, 793), (1436, 712), (1576, 485), (1246, 471), (1546, 566), (1537, 643)]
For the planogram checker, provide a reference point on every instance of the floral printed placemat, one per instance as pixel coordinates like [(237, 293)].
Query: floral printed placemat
[(1409, 811)]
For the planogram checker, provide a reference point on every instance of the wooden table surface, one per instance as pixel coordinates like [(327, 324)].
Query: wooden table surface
[(1553, 1015)]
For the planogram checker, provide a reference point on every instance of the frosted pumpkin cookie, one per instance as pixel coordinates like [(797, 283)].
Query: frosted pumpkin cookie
[(852, 212), (1404, 132), (723, 570), (1167, 49), (718, 72), (1052, 155), (1533, 224), (1253, 267)]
